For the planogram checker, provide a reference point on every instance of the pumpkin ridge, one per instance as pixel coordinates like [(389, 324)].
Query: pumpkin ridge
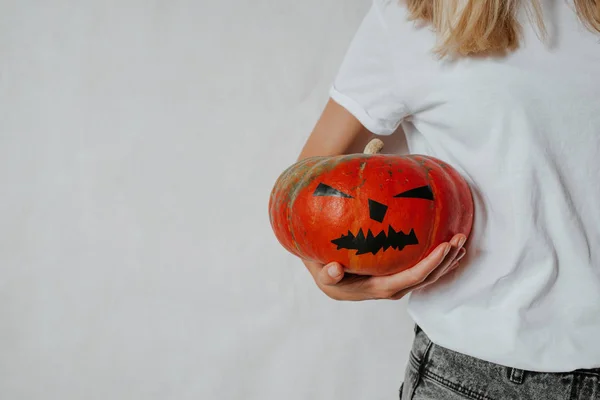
[(303, 181)]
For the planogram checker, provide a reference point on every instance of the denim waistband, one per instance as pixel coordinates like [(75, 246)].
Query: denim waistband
[(423, 344), (437, 372)]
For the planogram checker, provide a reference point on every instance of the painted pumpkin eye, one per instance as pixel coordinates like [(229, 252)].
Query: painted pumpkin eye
[(423, 192), (326, 190)]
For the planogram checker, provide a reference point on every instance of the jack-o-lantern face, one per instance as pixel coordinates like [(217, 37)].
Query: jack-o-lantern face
[(375, 214), (370, 242)]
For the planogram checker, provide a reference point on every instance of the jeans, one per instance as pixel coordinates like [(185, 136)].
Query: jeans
[(436, 373)]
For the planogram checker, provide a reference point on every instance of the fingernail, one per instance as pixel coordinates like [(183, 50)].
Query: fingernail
[(448, 247), (462, 241), (333, 271)]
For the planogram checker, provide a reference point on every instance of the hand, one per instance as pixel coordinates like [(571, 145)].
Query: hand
[(338, 285)]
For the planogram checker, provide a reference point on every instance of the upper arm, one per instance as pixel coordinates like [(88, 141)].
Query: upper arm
[(367, 82), (363, 97)]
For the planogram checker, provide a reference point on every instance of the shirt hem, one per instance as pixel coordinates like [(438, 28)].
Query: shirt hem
[(373, 125)]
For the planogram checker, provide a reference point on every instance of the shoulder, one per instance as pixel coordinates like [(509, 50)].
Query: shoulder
[(411, 43)]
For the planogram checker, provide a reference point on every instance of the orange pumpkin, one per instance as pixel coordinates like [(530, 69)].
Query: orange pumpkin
[(375, 214)]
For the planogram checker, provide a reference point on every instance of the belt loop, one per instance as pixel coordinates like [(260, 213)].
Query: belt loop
[(516, 375)]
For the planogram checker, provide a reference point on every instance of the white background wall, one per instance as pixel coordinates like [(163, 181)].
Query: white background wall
[(139, 141)]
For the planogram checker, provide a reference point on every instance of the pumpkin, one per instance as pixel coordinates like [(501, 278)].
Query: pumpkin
[(376, 214)]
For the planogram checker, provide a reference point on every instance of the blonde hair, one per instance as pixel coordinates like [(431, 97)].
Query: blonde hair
[(468, 27)]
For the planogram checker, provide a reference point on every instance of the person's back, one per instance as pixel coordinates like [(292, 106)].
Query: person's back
[(524, 129)]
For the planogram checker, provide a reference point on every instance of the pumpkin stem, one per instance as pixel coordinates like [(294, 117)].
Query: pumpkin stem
[(374, 147)]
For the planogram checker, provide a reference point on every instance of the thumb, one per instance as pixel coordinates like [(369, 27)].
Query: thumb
[(331, 274)]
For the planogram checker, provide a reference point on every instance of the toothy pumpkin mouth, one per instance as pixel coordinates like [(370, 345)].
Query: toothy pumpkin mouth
[(370, 243)]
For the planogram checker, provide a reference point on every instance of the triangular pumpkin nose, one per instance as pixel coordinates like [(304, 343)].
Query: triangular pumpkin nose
[(377, 210)]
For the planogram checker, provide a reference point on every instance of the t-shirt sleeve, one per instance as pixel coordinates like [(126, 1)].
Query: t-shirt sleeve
[(365, 84)]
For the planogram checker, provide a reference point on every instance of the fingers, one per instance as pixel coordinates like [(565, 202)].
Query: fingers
[(325, 275), (435, 265), (457, 243), (331, 274), (433, 277), (439, 272), (415, 275), (335, 283), (459, 257)]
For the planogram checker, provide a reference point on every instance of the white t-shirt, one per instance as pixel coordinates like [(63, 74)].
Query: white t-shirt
[(524, 131)]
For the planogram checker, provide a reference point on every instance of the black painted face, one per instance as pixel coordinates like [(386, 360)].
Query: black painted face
[(371, 243)]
